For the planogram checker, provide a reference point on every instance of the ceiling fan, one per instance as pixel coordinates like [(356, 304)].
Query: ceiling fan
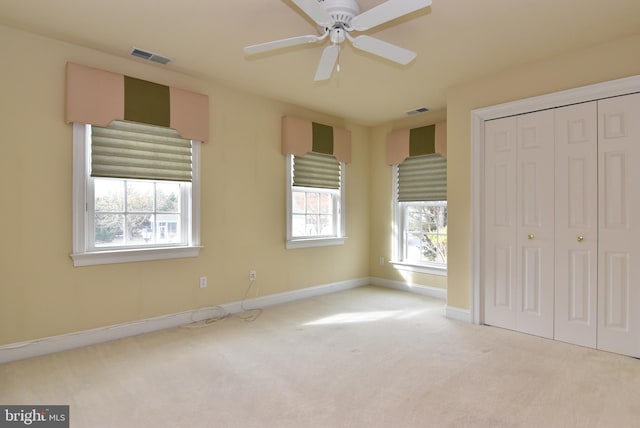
[(336, 19)]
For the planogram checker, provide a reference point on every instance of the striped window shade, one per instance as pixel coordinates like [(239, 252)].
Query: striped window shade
[(139, 151), (422, 178), (316, 170)]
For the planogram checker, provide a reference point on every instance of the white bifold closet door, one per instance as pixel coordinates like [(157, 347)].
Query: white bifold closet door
[(561, 236), (619, 225), (576, 223), (519, 223)]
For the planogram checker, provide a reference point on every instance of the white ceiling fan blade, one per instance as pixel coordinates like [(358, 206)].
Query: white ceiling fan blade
[(327, 62), (279, 44), (383, 49), (386, 12), (315, 11)]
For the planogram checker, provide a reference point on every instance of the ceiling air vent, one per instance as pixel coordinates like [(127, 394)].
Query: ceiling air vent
[(150, 56), (417, 111)]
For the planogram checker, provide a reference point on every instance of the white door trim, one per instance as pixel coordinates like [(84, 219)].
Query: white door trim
[(479, 116)]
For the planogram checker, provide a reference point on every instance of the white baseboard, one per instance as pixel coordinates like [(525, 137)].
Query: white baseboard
[(305, 293), (437, 293), (49, 345), (458, 314)]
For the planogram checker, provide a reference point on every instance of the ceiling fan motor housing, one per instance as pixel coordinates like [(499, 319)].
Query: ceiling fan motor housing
[(337, 35), (342, 11)]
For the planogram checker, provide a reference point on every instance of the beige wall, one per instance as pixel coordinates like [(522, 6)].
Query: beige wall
[(243, 205), (597, 64)]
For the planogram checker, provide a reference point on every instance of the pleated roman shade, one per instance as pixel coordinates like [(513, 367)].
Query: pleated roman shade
[(139, 151), (316, 170), (422, 178)]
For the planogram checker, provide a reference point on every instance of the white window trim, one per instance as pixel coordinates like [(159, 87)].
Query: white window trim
[(397, 251), (420, 268), (314, 242), (321, 241), (82, 257)]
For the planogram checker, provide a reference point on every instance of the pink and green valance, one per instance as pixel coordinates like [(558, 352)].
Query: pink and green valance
[(425, 140), (98, 97), (301, 136)]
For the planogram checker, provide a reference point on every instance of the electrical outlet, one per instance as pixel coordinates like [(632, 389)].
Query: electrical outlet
[(381, 261), (252, 275), (203, 282)]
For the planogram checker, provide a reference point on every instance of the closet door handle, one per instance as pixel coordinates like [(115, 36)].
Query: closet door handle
[(531, 236), (580, 238)]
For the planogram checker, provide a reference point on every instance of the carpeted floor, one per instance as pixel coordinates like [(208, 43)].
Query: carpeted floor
[(368, 357)]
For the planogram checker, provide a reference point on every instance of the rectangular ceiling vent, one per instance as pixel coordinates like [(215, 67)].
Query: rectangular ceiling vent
[(150, 56), (417, 111)]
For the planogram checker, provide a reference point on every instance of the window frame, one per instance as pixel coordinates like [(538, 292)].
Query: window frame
[(293, 242), (84, 254), (399, 260)]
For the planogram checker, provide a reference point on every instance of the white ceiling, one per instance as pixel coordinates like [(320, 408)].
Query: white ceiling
[(457, 41)]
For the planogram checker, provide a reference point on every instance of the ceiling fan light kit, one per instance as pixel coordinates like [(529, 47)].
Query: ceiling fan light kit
[(336, 19)]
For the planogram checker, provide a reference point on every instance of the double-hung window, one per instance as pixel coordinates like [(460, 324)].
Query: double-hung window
[(420, 196), (315, 200), (136, 193)]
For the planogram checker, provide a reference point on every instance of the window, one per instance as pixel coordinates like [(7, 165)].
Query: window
[(424, 228), (136, 213), (315, 200), (420, 214), (136, 194)]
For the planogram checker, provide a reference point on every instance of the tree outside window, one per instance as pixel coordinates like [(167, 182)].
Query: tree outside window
[(425, 232)]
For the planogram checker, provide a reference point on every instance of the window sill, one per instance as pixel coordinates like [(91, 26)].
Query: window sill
[(314, 242), (133, 255), (420, 268)]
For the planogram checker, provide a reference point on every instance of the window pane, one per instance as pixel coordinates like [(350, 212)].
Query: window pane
[(311, 225), (441, 220), (109, 195), (313, 203), (139, 229), (167, 228), (297, 225), (413, 218), (109, 229), (326, 203), (297, 202), (168, 197), (326, 224), (140, 196), (414, 246)]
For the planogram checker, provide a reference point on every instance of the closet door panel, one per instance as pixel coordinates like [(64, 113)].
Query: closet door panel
[(618, 219), (500, 222), (535, 223), (576, 207)]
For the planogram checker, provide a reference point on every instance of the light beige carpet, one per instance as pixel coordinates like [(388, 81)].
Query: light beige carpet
[(368, 357)]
